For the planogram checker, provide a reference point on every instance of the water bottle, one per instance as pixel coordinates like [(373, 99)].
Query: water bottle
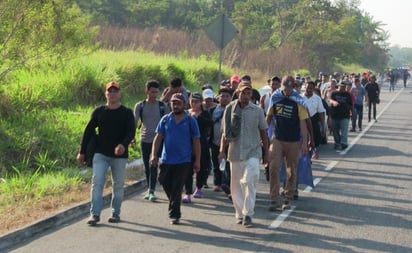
[(222, 166)]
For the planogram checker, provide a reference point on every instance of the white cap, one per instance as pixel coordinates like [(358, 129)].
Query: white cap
[(207, 93)]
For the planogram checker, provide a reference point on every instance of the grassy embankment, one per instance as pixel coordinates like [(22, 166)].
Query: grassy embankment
[(44, 111)]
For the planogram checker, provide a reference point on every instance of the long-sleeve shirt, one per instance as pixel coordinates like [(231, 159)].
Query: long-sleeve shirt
[(114, 127)]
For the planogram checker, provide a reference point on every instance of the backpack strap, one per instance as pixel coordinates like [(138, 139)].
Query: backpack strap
[(162, 110)]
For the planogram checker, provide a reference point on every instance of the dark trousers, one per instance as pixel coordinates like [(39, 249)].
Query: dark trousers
[(358, 116), (219, 177), (200, 180), (370, 105), (217, 174), (150, 172), (317, 135), (172, 177)]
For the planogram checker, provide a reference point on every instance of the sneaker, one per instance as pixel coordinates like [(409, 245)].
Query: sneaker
[(274, 206), (93, 220), (152, 197), (239, 221), (247, 221), (198, 194), (337, 146), (344, 146), (147, 196), (352, 130), (286, 205), (114, 219), (217, 188), (186, 199), (174, 221)]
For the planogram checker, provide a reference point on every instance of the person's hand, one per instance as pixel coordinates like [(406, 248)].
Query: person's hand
[(222, 155), (119, 150), (304, 149), (80, 159), (154, 160), (196, 166)]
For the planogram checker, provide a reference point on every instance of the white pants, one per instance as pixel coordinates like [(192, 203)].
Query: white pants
[(243, 180)]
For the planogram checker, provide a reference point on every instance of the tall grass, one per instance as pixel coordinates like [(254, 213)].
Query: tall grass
[(47, 107)]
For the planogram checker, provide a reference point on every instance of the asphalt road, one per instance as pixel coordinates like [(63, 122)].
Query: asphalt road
[(361, 203)]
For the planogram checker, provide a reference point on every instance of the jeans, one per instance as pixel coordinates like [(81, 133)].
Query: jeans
[(357, 115), (150, 172), (391, 86), (370, 105), (340, 130), (101, 164)]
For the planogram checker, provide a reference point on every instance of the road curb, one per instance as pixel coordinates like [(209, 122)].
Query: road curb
[(61, 218)]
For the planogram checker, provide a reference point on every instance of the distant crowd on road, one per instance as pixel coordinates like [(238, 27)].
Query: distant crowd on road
[(231, 134)]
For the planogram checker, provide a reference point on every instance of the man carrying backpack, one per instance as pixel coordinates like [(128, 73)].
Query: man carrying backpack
[(149, 112)]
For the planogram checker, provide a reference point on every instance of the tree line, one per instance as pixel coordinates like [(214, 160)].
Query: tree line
[(320, 32)]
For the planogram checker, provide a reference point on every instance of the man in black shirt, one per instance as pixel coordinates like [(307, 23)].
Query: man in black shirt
[(116, 129), (373, 96), (341, 108)]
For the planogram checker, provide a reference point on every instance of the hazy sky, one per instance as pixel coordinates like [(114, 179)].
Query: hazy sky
[(397, 17)]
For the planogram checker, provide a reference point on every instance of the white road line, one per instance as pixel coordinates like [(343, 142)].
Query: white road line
[(281, 218), (357, 138), (331, 165)]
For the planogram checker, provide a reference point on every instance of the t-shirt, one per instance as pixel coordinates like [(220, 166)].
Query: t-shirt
[(373, 91), (314, 104), (150, 118), (344, 99), (177, 142), (359, 93), (287, 114)]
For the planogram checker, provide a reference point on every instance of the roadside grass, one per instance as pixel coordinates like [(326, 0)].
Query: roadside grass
[(44, 110)]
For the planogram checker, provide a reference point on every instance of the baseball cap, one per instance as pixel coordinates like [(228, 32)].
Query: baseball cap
[(208, 93), (178, 97), (244, 85), (235, 79), (196, 96), (112, 85)]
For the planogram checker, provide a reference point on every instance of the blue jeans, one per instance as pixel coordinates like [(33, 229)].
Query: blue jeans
[(357, 115), (340, 130), (101, 164)]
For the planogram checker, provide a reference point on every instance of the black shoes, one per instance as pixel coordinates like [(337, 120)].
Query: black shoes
[(247, 221), (93, 220), (114, 219), (174, 221)]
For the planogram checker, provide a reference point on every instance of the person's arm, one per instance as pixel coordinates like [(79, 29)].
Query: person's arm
[(197, 153), (262, 102), (304, 134), (154, 159)]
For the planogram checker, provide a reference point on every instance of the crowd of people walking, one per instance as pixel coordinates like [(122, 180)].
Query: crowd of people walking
[(187, 136)]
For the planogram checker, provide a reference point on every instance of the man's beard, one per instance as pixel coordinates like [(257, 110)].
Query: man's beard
[(178, 112)]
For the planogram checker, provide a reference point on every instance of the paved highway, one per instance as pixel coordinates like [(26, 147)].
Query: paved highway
[(361, 203)]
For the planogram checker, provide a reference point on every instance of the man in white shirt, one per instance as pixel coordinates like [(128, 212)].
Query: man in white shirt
[(316, 114)]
